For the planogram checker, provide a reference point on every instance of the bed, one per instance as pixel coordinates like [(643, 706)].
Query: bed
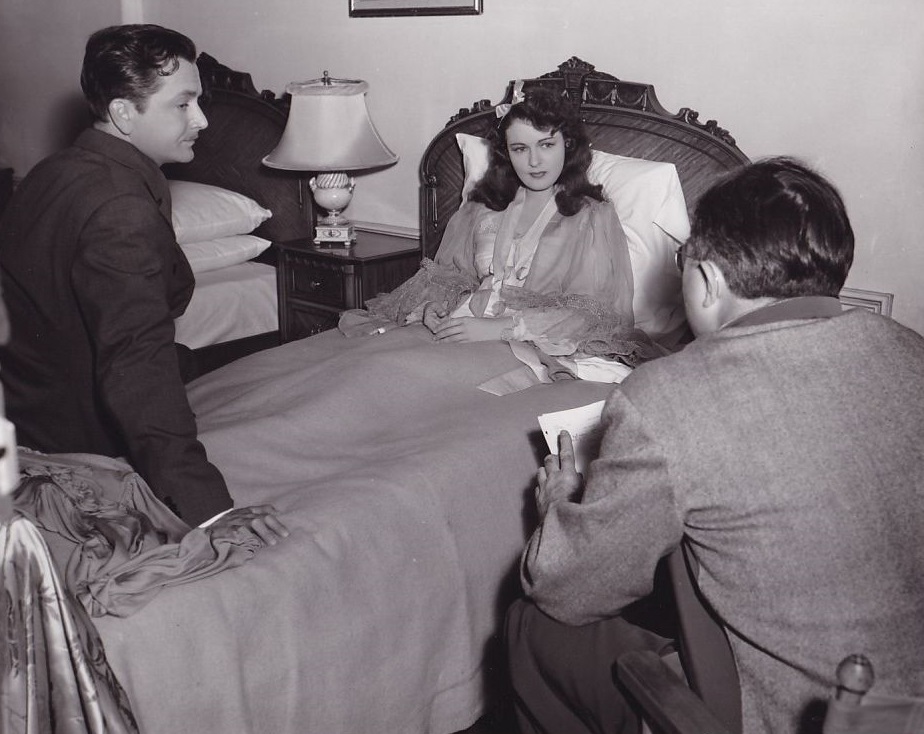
[(406, 488), (227, 209)]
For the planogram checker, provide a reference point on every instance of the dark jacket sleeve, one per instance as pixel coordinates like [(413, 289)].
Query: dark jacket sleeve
[(129, 280)]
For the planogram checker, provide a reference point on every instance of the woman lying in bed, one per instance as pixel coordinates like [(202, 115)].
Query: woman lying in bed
[(536, 254)]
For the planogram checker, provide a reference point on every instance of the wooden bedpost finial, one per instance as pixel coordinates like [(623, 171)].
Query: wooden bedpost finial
[(854, 678)]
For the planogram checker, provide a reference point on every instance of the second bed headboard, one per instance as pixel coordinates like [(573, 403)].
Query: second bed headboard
[(622, 117), (245, 125)]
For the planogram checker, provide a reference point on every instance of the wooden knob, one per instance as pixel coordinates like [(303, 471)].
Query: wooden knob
[(854, 678)]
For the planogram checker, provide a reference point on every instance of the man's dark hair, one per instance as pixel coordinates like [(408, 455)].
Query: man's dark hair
[(776, 229), (546, 111), (128, 62)]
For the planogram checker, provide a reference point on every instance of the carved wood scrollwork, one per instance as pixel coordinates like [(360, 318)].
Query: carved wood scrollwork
[(623, 118), (215, 75), (691, 117), (482, 105), (584, 85), (572, 73)]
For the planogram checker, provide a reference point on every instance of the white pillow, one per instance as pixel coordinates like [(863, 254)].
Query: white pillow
[(476, 153), (650, 205), (223, 252), (202, 212)]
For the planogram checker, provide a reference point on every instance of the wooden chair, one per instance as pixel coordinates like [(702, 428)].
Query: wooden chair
[(667, 703), (705, 652), (853, 710), (670, 707), (710, 699)]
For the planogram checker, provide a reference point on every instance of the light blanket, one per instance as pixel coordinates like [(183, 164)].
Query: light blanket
[(408, 494), (230, 303)]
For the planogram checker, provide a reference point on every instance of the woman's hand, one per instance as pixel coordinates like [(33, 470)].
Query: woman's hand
[(471, 329), (558, 477), (259, 520)]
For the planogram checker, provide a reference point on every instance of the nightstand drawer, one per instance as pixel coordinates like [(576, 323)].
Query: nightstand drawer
[(316, 281), (316, 284), (304, 320)]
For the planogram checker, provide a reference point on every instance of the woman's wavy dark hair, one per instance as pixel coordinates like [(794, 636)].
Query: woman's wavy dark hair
[(777, 229), (546, 111), (129, 62)]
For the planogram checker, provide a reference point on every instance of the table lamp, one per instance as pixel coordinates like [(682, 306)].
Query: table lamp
[(329, 132)]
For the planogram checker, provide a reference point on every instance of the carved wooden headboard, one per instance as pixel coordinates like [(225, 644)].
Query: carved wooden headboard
[(245, 125), (621, 117)]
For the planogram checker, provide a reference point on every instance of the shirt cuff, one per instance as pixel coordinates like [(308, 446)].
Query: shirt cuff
[(213, 518)]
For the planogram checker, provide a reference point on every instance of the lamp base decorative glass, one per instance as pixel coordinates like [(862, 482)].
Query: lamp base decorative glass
[(333, 192)]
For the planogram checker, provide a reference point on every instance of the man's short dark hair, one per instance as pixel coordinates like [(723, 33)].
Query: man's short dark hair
[(776, 229), (129, 62)]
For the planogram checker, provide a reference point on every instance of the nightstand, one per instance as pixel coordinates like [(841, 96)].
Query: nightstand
[(315, 284)]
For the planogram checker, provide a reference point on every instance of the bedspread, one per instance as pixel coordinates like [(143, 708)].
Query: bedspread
[(405, 489)]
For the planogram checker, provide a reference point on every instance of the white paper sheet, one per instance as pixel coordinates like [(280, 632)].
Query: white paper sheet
[(583, 423)]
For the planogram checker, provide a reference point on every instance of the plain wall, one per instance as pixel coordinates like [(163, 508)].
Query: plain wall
[(839, 83), (41, 49)]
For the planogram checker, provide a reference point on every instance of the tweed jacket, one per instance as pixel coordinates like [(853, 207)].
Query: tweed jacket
[(791, 454), (93, 278)]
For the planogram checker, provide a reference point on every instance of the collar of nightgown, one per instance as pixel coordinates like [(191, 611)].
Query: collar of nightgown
[(513, 256)]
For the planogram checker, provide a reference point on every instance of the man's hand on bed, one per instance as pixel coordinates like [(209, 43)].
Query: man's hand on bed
[(261, 521), (558, 477), (471, 329)]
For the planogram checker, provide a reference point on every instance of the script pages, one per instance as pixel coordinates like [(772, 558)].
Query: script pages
[(583, 423)]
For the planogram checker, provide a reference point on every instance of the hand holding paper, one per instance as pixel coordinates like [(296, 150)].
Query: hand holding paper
[(558, 479), (573, 437), (583, 423)]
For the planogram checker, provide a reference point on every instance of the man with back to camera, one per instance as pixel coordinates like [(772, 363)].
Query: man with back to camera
[(784, 443), (93, 278)]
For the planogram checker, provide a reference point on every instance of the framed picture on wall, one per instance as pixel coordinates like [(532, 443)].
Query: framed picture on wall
[(387, 8), (870, 300)]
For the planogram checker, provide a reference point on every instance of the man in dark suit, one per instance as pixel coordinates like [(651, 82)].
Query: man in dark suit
[(784, 443), (93, 278)]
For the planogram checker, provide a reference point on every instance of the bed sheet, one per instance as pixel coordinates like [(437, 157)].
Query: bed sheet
[(230, 303), (406, 492)]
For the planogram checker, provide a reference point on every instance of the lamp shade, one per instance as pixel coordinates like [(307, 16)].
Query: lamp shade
[(329, 129)]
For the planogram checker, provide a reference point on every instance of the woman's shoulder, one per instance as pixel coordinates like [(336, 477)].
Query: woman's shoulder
[(479, 214), (595, 207), (598, 218), (593, 211), (475, 208)]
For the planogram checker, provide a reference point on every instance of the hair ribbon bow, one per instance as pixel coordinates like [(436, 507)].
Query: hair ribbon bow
[(502, 109)]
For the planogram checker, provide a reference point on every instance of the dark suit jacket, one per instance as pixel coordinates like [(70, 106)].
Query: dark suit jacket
[(788, 449), (93, 278)]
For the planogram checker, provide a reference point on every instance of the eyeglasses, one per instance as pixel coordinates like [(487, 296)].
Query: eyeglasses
[(678, 258)]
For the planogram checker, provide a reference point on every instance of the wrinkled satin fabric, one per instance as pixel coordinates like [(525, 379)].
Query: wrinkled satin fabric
[(123, 545), (54, 676)]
